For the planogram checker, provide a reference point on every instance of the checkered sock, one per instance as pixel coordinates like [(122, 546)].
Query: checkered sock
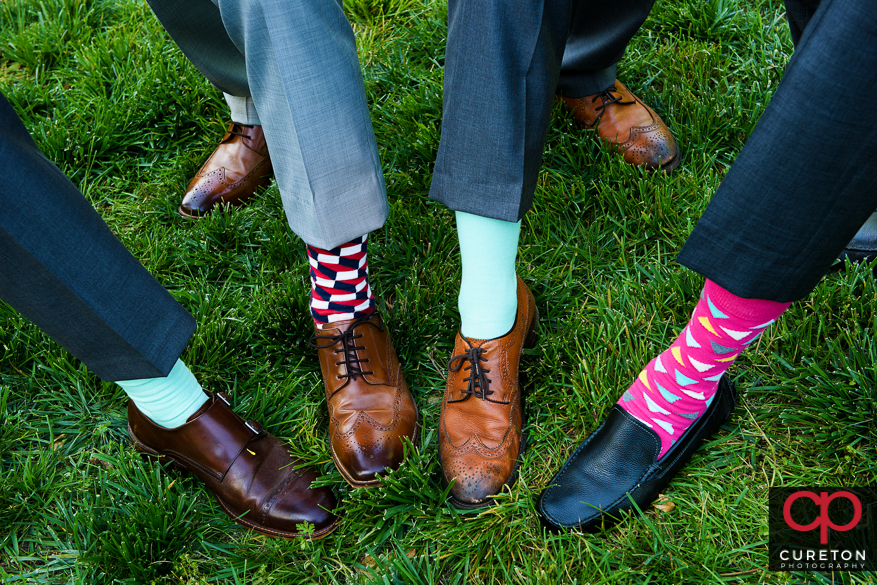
[(339, 282), (676, 388)]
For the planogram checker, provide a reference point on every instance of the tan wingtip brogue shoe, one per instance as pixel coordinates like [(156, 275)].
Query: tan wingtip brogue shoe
[(629, 125), (237, 168), (371, 410), (480, 429), (250, 472)]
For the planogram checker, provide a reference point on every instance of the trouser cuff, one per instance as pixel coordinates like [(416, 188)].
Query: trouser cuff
[(580, 84)]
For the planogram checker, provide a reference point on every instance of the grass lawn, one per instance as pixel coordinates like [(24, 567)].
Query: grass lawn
[(112, 101)]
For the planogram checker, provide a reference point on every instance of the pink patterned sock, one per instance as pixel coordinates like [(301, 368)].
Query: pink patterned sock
[(678, 385)]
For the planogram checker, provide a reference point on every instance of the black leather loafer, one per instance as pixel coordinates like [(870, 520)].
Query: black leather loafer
[(617, 463), (863, 246)]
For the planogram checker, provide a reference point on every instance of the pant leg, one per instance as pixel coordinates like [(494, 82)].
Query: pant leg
[(304, 76), (196, 27), (804, 182), (799, 13), (599, 34), (62, 268), (501, 68)]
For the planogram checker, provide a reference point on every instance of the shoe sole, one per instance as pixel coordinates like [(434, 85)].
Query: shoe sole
[(241, 519), (185, 215), (238, 517), (193, 216), (860, 256), (672, 165), (529, 343)]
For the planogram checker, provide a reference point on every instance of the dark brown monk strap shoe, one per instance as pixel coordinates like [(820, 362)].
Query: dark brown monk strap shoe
[(629, 125), (238, 166), (481, 420), (371, 410), (254, 478)]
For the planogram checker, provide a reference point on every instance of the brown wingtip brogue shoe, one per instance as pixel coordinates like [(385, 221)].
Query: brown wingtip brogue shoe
[(629, 125), (482, 411), (251, 474), (236, 169), (371, 409)]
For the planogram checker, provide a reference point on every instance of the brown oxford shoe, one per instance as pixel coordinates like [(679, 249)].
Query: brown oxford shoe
[(251, 474), (238, 166), (371, 410), (629, 125), (481, 419)]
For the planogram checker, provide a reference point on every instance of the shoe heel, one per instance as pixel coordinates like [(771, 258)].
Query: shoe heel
[(154, 456), (532, 335)]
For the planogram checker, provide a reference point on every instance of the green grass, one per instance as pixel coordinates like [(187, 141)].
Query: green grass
[(111, 100)]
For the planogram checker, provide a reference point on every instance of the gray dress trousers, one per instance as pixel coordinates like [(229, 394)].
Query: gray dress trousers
[(804, 183), (298, 61), (62, 268), (505, 61)]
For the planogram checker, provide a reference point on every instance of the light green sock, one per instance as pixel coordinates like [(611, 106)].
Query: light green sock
[(167, 401), (488, 297)]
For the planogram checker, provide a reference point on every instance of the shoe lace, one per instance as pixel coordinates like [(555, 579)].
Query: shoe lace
[(479, 383), (347, 347), (237, 130), (607, 98)]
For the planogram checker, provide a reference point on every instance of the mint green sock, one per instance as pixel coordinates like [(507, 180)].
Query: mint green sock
[(169, 401), (488, 297)]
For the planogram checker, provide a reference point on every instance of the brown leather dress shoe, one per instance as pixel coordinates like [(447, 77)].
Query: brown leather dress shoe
[(628, 125), (371, 410), (254, 478), (238, 166), (481, 419)]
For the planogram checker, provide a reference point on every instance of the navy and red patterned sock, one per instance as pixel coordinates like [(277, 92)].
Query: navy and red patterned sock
[(339, 282)]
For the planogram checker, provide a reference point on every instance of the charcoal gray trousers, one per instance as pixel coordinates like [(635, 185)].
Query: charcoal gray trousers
[(62, 268), (505, 61), (804, 183)]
